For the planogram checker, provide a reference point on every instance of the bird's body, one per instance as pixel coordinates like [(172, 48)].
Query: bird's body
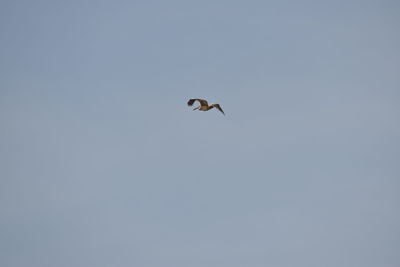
[(204, 105)]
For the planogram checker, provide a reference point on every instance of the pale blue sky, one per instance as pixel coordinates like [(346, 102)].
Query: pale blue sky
[(103, 164)]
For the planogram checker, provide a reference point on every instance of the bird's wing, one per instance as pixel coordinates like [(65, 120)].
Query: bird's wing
[(218, 107), (201, 101)]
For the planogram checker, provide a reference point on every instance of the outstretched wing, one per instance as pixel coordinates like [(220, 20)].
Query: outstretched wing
[(218, 107), (201, 101)]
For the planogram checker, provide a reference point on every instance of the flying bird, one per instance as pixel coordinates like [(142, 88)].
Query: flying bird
[(204, 105)]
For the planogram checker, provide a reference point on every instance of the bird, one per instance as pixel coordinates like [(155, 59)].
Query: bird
[(204, 105)]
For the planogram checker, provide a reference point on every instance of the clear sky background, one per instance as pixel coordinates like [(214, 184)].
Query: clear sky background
[(103, 164)]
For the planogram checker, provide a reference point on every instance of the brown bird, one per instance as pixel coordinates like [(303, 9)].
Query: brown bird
[(204, 105)]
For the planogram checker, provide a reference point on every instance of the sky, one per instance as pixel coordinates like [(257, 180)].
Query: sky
[(102, 163)]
